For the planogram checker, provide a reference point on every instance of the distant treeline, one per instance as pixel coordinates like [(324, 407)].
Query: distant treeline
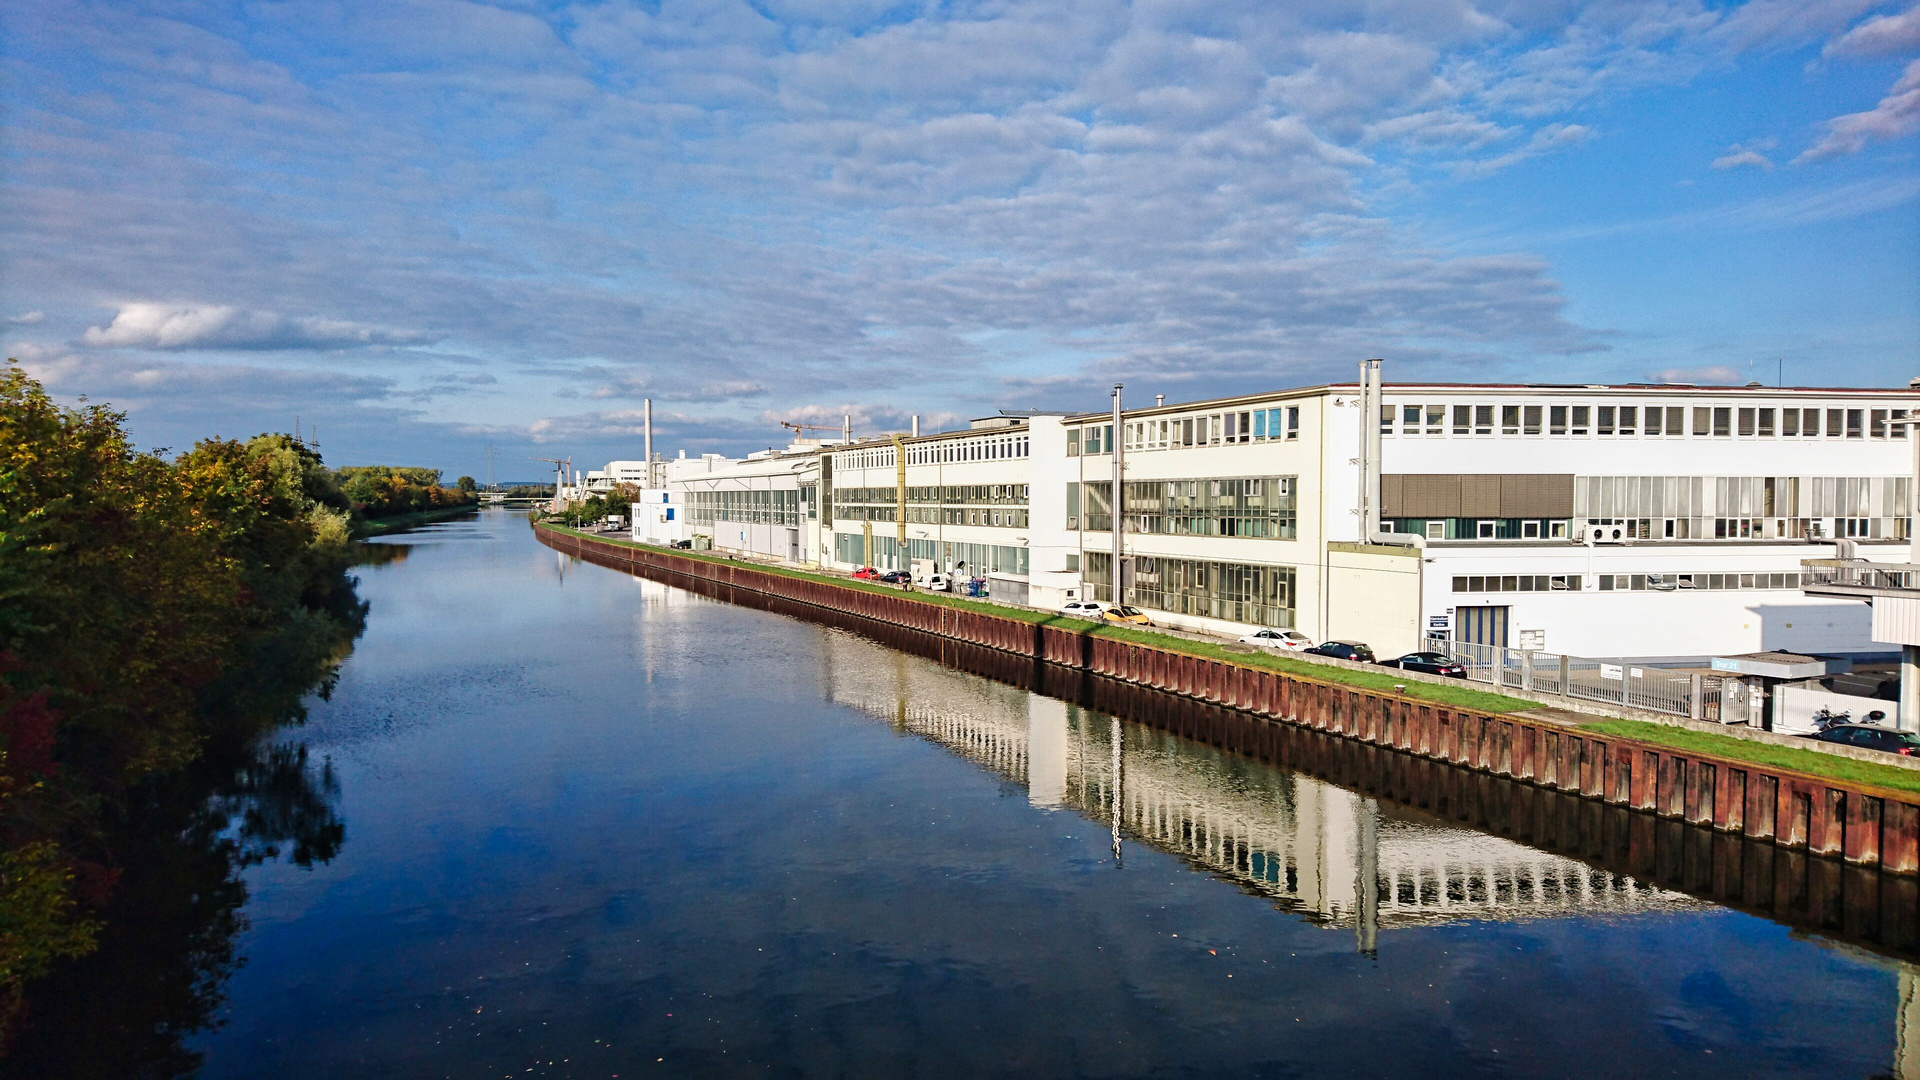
[(380, 491), (151, 610)]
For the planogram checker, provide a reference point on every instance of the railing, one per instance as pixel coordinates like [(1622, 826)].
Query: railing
[(1615, 682), (1859, 574)]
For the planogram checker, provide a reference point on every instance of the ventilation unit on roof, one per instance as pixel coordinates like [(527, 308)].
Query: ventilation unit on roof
[(1606, 534)]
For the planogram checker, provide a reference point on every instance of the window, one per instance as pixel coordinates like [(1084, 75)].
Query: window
[(1557, 420), (1766, 423), (1293, 422), (1702, 421), (1463, 419), (1386, 419), (1436, 419), (1483, 419), (1898, 430), (1581, 413), (1604, 425), (1260, 423), (1833, 423), (1722, 421), (1675, 419), (1484, 530), (1530, 530), (1436, 530), (1653, 421), (1854, 416), (1509, 419), (1531, 425), (1809, 423), (1629, 419), (1747, 420)]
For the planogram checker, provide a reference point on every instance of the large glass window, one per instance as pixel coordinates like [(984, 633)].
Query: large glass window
[(1236, 592)]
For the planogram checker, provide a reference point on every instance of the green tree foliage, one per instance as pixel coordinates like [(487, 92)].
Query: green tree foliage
[(467, 484), (380, 491), (147, 607)]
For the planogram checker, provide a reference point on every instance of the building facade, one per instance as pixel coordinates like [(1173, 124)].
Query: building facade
[(1639, 521)]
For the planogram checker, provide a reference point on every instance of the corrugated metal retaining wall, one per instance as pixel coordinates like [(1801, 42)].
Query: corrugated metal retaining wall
[(1863, 825)]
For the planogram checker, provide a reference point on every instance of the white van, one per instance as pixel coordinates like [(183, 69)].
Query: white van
[(937, 583)]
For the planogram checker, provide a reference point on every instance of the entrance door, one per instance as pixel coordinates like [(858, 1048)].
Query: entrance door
[(1481, 625)]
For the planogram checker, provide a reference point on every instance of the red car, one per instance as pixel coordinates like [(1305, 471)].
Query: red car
[(866, 573)]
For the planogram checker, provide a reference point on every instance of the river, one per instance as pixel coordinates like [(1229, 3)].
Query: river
[(598, 826)]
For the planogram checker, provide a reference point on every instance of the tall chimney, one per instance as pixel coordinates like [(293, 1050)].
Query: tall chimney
[(916, 425), (1159, 400), (649, 442), (1118, 439), (846, 427)]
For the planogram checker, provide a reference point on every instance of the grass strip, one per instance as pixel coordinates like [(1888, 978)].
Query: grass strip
[(398, 522), (1811, 762), (1384, 680)]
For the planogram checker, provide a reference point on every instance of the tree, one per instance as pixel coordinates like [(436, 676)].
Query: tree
[(466, 485)]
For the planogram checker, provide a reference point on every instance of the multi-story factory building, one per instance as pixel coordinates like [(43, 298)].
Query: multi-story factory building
[(1645, 521)]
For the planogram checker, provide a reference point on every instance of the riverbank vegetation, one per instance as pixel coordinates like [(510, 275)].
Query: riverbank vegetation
[(381, 495), (155, 613), (591, 511)]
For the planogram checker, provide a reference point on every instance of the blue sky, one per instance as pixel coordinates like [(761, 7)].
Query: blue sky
[(430, 225)]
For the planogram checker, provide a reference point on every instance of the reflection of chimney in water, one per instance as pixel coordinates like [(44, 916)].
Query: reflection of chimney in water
[(1046, 751)]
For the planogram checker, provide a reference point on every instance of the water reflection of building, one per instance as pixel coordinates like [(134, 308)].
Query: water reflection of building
[(1308, 846)]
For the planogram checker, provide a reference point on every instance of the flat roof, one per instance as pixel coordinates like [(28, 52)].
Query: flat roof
[(1399, 388)]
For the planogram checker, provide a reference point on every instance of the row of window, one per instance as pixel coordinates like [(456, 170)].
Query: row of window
[(967, 560), (1640, 421), (1723, 528), (1507, 583), (1237, 592), (1598, 497), (1001, 448), (1204, 429), (777, 507), (943, 495), (1252, 506)]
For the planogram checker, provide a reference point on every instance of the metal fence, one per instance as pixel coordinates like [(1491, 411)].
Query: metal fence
[(1615, 682)]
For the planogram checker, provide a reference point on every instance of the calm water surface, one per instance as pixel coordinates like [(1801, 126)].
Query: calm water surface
[(597, 826)]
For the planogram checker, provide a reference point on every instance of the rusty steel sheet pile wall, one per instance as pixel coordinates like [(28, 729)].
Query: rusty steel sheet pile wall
[(1860, 825)]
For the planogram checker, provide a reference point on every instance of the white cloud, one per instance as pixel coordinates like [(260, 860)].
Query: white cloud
[(1716, 375), (1547, 139), (1897, 115), (1882, 35), (1746, 154), (218, 326), (28, 319)]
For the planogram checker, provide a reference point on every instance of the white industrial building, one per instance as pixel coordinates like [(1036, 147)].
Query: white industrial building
[(1638, 521)]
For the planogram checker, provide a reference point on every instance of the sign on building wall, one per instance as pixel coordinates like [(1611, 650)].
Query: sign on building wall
[(1533, 640)]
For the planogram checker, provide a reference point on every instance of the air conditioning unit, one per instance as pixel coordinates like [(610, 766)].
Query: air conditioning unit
[(1606, 534)]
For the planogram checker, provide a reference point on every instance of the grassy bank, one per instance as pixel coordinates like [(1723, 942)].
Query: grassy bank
[(1462, 696), (400, 522), (1811, 762), (1808, 761)]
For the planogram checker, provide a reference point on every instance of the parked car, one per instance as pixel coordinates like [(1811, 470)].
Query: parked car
[(1278, 639), (867, 573), (1870, 737), (937, 583), (1126, 615), (895, 577), (1433, 663), (1344, 650), (1085, 609), (683, 545)]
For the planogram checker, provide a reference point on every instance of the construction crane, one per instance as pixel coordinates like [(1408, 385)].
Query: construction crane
[(800, 430), (562, 471)]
